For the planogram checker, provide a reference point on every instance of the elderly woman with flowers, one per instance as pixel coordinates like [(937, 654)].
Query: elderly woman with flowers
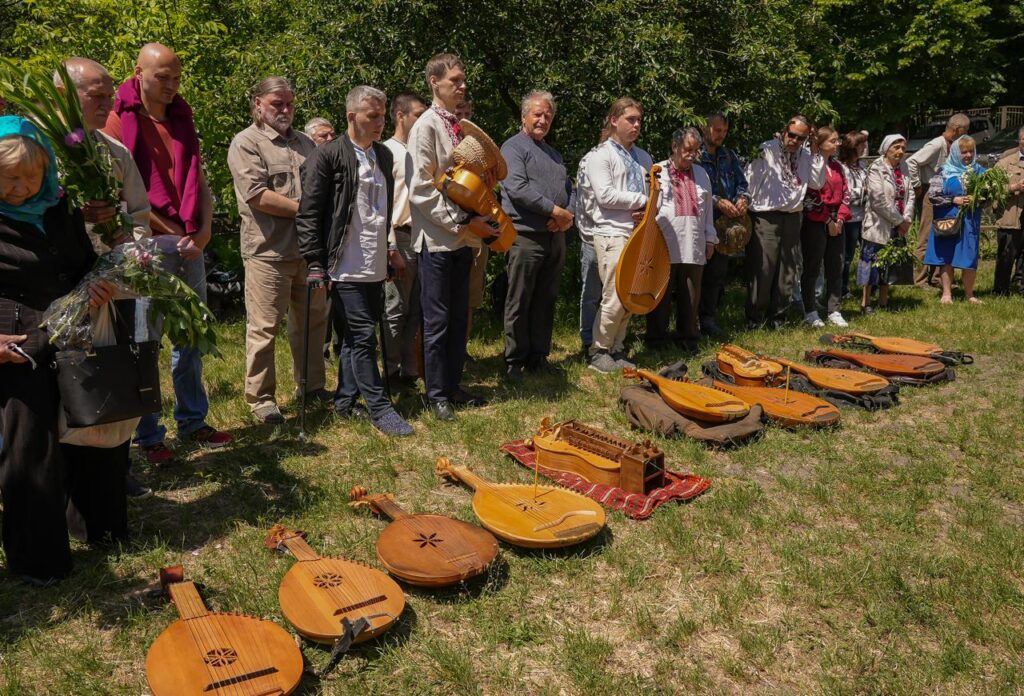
[(888, 211), (45, 485), (947, 192)]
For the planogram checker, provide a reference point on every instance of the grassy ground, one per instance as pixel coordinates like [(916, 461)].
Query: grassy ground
[(884, 557)]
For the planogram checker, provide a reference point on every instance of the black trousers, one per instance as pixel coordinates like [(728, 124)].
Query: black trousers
[(358, 308), (46, 486), (535, 264), (96, 510), (712, 286), (818, 246), (684, 289), (444, 300), (772, 257), (1010, 247)]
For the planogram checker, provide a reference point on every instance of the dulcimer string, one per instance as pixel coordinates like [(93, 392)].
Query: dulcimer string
[(512, 500)]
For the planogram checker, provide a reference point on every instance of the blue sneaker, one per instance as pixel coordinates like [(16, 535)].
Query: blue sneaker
[(390, 423)]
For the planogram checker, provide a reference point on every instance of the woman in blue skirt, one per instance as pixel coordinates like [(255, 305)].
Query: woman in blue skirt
[(948, 195)]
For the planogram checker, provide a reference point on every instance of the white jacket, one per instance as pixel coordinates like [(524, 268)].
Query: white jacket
[(606, 181), (880, 212)]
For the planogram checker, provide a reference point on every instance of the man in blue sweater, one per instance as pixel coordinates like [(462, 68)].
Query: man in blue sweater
[(538, 197)]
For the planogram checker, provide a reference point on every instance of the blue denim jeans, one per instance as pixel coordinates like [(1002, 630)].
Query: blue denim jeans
[(190, 401), (359, 307), (590, 298)]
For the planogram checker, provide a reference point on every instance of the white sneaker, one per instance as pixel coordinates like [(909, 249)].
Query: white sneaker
[(813, 320), (836, 319)]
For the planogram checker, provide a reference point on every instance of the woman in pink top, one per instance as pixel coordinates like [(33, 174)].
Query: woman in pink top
[(821, 237)]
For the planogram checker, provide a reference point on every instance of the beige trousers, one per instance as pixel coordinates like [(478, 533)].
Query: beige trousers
[(612, 318), (274, 290), (478, 277)]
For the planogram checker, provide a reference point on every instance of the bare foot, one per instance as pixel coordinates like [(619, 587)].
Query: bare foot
[(946, 300), (975, 300)]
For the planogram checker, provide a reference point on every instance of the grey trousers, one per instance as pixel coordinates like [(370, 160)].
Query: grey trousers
[(684, 288), (402, 311), (535, 264), (773, 256)]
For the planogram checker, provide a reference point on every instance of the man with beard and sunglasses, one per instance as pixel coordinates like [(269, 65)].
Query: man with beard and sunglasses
[(778, 182), (264, 160)]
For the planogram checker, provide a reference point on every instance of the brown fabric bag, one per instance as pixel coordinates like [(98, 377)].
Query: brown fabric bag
[(646, 411)]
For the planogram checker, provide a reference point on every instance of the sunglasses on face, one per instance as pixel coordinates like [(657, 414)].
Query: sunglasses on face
[(793, 136)]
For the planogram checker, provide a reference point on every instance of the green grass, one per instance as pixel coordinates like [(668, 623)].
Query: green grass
[(885, 557)]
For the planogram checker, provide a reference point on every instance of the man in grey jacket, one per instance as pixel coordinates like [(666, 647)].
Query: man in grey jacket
[(538, 198), (922, 166)]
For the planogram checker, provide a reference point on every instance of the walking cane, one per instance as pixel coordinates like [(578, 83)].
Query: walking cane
[(305, 366), (383, 345)]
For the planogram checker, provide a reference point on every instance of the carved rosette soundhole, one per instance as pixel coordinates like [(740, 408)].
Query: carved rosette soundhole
[(221, 657), (425, 540), (326, 580), (535, 505)]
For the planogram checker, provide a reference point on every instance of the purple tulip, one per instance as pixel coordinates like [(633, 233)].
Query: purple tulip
[(75, 138)]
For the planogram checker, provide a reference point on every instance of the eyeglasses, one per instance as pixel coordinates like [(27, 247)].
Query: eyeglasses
[(793, 136)]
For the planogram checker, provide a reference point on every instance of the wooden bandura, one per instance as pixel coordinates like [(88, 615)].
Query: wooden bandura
[(599, 457), (786, 407), (890, 344), (888, 364), (693, 400), (641, 276), (849, 381), (318, 592), (745, 368), (532, 516), (206, 653), (427, 550)]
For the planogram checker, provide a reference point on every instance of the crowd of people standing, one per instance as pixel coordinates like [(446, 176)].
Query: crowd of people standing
[(343, 232)]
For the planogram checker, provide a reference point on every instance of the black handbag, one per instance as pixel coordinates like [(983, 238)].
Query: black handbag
[(948, 227), (107, 384)]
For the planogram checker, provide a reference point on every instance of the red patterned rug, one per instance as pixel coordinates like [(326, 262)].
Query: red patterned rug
[(684, 487)]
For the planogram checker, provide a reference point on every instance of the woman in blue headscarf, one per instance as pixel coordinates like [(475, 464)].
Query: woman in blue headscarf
[(948, 196), (45, 486)]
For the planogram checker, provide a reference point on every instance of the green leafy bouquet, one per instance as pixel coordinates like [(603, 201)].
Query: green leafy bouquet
[(86, 172), (133, 269), (990, 187)]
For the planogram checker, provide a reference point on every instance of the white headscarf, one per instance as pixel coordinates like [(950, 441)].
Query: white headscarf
[(888, 141)]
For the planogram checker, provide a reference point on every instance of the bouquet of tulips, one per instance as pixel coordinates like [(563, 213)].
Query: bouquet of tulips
[(86, 172)]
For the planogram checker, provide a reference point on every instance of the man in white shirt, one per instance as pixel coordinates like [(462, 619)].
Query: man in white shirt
[(402, 292), (778, 181), (343, 225), (617, 179), (922, 166), (445, 237)]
